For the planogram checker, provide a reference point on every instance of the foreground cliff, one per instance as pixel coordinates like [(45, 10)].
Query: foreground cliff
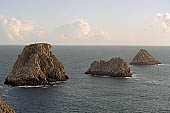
[(36, 65), (4, 108), (116, 67), (143, 57)]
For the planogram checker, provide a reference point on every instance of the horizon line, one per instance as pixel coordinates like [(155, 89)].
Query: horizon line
[(83, 45)]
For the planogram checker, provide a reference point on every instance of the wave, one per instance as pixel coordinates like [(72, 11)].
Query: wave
[(6, 90), (133, 76), (39, 86), (153, 82), (128, 77), (42, 86), (106, 76), (4, 95), (163, 64)]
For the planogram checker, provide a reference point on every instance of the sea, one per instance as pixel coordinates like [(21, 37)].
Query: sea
[(148, 91)]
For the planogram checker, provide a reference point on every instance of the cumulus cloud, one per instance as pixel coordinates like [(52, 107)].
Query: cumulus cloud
[(80, 30), (77, 29), (17, 30), (99, 35), (163, 20)]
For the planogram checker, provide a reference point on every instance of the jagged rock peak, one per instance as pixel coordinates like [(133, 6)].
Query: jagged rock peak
[(4, 108), (143, 57), (36, 65), (116, 67), (41, 48)]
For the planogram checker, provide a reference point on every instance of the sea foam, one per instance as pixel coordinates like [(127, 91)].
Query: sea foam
[(163, 64)]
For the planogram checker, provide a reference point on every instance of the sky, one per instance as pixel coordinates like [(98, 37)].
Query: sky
[(85, 22)]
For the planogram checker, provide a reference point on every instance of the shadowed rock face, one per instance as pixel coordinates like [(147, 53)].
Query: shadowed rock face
[(116, 67), (4, 108), (144, 58), (36, 65)]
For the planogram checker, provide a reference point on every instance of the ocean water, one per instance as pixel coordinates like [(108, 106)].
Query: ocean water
[(147, 91)]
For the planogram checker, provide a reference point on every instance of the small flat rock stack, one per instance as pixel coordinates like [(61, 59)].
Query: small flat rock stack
[(4, 108), (116, 67), (143, 57), (36, 65)]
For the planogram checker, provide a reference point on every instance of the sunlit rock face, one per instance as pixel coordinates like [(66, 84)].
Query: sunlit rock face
[(36, 65), (4, 108), (116, 67), (143, 57)]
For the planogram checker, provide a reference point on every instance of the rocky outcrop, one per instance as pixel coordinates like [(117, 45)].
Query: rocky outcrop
[(36, 65), (116, 67), (4, 108), (143, 57)]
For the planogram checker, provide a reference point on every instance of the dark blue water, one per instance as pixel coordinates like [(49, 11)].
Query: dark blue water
[(147, 91)]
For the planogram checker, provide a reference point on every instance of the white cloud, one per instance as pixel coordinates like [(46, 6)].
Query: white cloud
[(83, 26), (77, 29), (100, 35), (14, 31), (80, 30), (163, 20), (17, 30)]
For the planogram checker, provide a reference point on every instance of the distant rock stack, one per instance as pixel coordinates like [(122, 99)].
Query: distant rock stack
[(4, 108), (36, 66), (143, 57), (116, 67)]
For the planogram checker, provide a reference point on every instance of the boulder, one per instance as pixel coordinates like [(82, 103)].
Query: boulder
[(143, 57), (36, 65), (4, 108), (116, 67)]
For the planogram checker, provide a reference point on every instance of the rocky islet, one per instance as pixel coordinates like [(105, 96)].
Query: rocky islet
[(116, 67), (36, 65), (143, 57)]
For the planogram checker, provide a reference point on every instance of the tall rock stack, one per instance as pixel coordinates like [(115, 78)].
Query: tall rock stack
[(116, 67), (4, 108), (143, 57), (36, 65)]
